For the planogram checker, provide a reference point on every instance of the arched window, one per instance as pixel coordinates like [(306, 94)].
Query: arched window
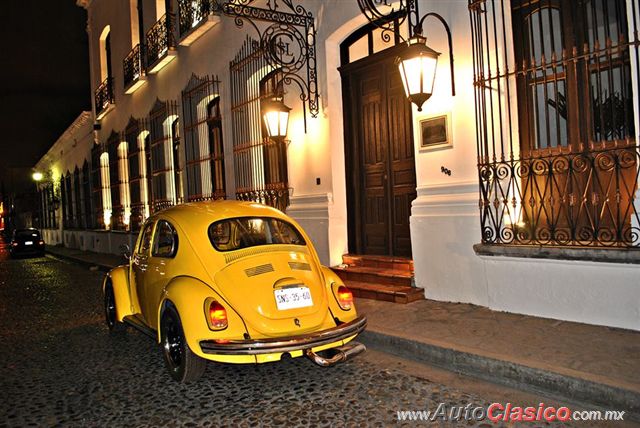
[(105, 180), (204, 150), (105, 54), (177, 165), (123, 175), (274, 153), (216, 148), (163, 185)]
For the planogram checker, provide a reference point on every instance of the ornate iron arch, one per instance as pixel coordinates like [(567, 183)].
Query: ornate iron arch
[(287, 43)]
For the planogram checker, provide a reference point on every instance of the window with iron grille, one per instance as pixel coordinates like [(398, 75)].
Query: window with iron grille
[(260, 163), (78, 201), (117, 206), (137, 138), (65, 208), (163, 187), (69, 202), (51, 201), (88, 220), (204, 150), (557, 149), (97, 221)]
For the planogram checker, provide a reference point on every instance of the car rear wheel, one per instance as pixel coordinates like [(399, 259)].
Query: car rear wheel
[(184, 366), (110, 310)]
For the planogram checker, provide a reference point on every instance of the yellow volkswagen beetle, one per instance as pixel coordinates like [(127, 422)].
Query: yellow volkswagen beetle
[(233, 282)]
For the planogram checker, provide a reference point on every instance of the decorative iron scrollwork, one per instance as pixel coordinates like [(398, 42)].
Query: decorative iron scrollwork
[(288, 44)]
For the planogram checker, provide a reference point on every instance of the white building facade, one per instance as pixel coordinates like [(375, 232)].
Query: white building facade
[(519, 193)]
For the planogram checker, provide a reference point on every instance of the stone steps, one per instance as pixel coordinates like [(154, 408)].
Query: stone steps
[(379, 277)]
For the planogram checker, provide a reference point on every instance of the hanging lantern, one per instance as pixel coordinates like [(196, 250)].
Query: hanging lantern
[(276, 118), (417, 65)]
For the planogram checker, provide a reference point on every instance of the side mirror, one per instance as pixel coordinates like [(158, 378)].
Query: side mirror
[(126, 251)]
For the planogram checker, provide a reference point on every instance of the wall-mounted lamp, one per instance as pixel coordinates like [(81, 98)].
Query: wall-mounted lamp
[(417, 63), (276, 118), (37, 176), (417, 66)]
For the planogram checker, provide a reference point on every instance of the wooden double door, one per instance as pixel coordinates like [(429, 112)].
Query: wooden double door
[(380, 160)]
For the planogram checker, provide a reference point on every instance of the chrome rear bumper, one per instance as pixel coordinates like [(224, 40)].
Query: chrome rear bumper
[(286, 344)]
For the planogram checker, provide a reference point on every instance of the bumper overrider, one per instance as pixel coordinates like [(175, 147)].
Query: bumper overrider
[(295, 343)]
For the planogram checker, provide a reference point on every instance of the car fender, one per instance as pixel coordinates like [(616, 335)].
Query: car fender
[(188, 296), (119, 278), (332, 282)]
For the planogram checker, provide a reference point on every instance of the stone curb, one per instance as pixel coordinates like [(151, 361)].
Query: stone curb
[(508, 373), (101, 266)]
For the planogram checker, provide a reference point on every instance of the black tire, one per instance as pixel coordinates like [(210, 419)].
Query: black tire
[(113, 324), (183, 365)]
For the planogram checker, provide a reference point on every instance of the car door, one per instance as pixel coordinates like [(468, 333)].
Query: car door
[(163, 251), (140, 266)]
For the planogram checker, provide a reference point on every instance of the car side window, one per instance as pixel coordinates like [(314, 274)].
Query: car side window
[(145, 242), (165, 242)]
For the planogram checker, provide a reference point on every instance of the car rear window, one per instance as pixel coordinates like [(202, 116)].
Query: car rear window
[(244, 232), (27, 234)]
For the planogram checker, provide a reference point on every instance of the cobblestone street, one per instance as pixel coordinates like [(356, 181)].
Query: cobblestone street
[(60, 366)]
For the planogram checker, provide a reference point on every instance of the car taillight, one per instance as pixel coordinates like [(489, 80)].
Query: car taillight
[(15, 244), (217, 316), (345, 297)]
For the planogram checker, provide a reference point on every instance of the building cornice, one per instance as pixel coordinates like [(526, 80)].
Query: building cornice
[(79, 122)]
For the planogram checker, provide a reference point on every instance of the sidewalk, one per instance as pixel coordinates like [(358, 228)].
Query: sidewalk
[(590, 364), (101, 261)]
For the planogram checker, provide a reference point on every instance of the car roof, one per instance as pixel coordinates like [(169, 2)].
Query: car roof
[(199, 214)]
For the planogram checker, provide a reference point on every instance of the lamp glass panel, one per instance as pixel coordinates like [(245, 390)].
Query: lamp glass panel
[(428, 73), (418, 74), (284, 122)]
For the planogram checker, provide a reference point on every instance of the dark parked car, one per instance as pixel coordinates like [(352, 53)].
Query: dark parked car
[(26, 242)]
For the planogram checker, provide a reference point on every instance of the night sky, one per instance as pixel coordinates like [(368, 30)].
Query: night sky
[(44, 78)]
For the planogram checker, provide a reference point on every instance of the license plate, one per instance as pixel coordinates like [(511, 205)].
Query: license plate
[(292, 298), (28, 242)]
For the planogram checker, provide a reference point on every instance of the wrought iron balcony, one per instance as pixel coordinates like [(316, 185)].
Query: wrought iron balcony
[(134, 75), (104, 98), (195, 17), (159, 48)]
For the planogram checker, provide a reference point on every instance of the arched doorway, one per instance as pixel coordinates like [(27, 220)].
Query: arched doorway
[(379, 155)]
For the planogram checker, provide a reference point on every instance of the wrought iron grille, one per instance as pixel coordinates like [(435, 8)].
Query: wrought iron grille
[(558, 153), (288, 43), (104, 95), (163, 186), (204, 149), (158, 40), (191, 13), (87, 219), (78, 199), (96, 188), (260, 163), (137, 139), (132, 66), (69, 201), (117, 207), (65, 207)]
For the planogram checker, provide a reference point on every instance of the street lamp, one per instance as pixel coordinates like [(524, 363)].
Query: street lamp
[(276, 118), (37, 176)]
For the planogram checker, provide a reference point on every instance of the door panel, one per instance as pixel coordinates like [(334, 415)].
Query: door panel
[(381, 165)]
